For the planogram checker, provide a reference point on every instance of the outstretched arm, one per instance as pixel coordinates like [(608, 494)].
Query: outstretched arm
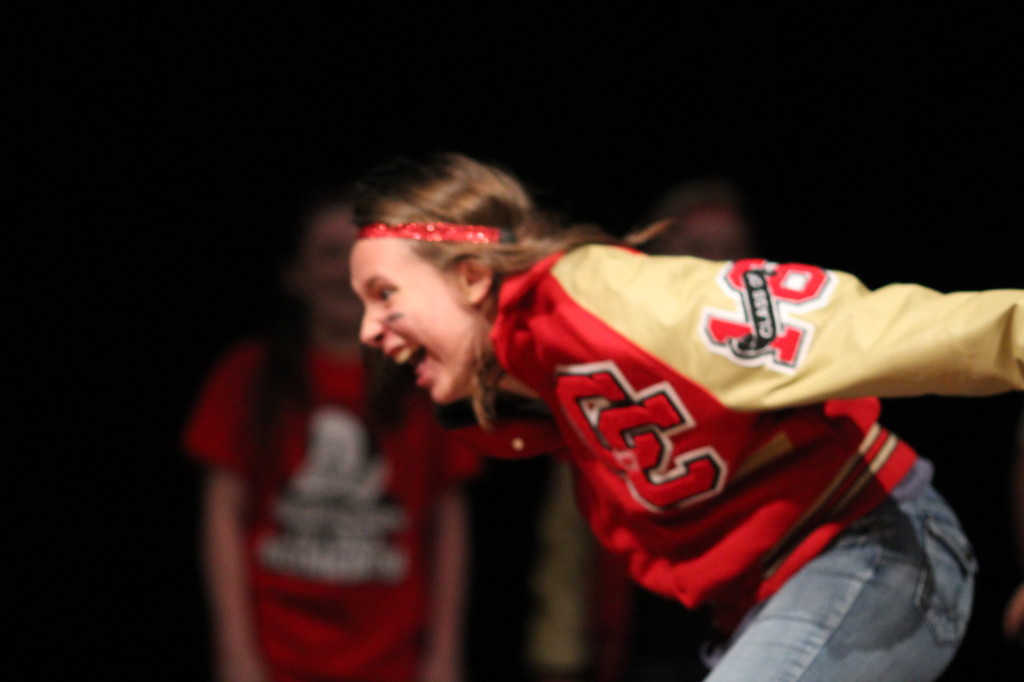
[(764, 335)]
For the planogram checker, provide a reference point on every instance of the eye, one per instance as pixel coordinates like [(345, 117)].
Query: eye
[(379, 290)]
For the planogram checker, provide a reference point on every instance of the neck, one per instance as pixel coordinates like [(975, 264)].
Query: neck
[(510, 384)]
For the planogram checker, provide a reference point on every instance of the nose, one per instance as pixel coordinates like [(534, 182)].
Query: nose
[(371, 329)]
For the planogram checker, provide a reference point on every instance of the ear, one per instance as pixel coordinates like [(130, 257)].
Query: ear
[(475, 279)]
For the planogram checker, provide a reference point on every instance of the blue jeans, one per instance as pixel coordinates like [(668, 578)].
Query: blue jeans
[(888, 601)]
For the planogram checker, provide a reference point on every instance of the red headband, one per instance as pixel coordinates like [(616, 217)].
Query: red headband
[(434, 232)]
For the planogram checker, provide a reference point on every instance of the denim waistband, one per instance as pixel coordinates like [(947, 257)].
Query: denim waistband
[(915, 482)]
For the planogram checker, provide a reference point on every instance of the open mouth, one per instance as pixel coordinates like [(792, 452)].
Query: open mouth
[(409, 355)]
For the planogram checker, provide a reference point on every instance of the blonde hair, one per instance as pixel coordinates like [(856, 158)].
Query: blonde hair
[(448, 187), (454, 188)]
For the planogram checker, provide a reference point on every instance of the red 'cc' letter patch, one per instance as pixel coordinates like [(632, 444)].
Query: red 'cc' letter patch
[(632, 430), (764, 330)]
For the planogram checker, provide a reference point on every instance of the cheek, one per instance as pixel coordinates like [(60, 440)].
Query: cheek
[(435, 307), (468, 347), (459, 324)]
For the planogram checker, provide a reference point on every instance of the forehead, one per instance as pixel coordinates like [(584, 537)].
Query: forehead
[(386, 257)]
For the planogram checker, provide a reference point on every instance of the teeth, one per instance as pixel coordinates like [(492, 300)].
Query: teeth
[(402, 356)]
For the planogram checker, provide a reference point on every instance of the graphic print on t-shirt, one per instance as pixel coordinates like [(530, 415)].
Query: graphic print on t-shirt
[(334, 521)]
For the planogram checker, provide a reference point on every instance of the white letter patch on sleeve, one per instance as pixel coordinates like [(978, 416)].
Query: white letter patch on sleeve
[(764, 330)]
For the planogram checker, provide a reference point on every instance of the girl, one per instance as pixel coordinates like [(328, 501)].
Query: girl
[(720, 416), (333, 530)]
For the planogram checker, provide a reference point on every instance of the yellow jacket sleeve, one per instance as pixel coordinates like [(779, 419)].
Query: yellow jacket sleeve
[(761, 335)]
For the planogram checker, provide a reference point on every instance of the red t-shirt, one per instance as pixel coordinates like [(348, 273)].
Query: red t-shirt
[(339, 529)]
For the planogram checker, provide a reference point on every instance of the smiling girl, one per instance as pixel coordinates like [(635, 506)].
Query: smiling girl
[(721, 417)]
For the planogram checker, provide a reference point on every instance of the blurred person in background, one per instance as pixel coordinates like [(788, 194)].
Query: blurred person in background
[(589, 621), (1013, 620), (333, 536), (706, 218)]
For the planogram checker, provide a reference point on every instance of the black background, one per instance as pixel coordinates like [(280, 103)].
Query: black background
[(166, 150)]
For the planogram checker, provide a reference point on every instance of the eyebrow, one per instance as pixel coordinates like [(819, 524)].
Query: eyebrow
[(374, 281)]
